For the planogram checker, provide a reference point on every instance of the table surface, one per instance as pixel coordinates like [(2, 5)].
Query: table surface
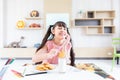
[(70, 74)]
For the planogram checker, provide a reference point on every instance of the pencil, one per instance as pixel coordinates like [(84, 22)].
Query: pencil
[(35, 73), (8, 61), (2, 72), (24, 71), (11, 61), (18, 74)]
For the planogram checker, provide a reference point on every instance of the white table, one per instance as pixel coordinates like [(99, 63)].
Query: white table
[(71, 74)]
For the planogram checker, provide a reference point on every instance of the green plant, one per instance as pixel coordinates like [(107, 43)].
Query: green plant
[(80, 12)]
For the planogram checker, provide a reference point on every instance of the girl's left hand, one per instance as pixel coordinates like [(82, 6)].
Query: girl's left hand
[(66, 42), (68, 37)]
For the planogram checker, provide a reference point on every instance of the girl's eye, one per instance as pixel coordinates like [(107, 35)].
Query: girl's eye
[(62, 28), (59, 28), (65, 29)]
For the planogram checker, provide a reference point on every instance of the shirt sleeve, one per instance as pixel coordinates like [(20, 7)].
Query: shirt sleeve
[(49, 45)]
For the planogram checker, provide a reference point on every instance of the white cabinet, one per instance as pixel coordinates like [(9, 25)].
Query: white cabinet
[(17, 52)]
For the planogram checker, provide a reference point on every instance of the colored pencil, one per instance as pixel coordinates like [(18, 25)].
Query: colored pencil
[(11, 61), (18, 74), (2, 72), (8, 61), (24, 71), (4, 69)]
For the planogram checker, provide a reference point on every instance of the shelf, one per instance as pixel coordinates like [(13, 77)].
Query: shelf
[(108, 21), (109, 29), (17, 52), (101, 14), (86, 22), (94, 30), (29, 28), (97, 22), (90, 14), (88, 18), (33, 23), (105, 14), (33, 18)]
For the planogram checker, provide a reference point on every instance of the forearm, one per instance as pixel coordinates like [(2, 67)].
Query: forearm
[(40, 57)]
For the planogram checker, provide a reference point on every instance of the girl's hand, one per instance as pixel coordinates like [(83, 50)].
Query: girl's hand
[(53, 52), (68, 38), (66, 42), (56, 50)]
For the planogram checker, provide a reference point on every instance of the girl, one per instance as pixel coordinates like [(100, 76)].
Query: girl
[(56, 39)]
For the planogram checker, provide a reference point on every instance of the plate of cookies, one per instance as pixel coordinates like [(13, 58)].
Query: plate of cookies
[(44, 67)]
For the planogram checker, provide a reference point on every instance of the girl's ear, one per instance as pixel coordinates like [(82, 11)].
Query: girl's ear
[(52, 31)]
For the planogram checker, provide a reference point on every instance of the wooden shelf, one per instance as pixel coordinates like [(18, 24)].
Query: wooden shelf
[(34, 22), (108, 21), (101, 14), (97, 22), (33, 18), (94, 30), (29, 28), (86, 22), (105, 14), (109, 29)]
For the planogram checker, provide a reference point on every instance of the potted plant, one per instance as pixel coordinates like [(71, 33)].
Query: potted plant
[(80, 14)]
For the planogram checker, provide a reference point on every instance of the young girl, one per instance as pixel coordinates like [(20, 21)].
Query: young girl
[(56, 39)]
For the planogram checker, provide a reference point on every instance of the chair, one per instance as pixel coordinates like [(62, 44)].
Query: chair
[(116, 52)]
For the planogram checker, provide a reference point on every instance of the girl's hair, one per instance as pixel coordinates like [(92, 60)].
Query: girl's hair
[(49, 33)]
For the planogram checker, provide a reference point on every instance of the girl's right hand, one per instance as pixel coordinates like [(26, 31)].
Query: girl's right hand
[(53, 52)]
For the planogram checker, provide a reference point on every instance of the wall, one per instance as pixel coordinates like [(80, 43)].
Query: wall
[(61, 6), (116, 6), (17, 10), (1, 23), (61, 10), (1, 6), (93, 41), (94, 45)]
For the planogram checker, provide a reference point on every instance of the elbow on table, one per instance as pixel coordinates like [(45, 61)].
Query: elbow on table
[(34, 59)]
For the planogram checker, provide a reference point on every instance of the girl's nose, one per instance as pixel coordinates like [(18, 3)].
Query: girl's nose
[(63, 29)]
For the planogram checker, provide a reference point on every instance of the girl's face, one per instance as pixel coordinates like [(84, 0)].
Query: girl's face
[(60, 32)]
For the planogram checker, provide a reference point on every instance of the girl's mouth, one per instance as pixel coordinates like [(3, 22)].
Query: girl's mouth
[(62, 34)]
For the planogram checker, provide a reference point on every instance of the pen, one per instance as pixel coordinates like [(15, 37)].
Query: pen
[(35, 73)]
